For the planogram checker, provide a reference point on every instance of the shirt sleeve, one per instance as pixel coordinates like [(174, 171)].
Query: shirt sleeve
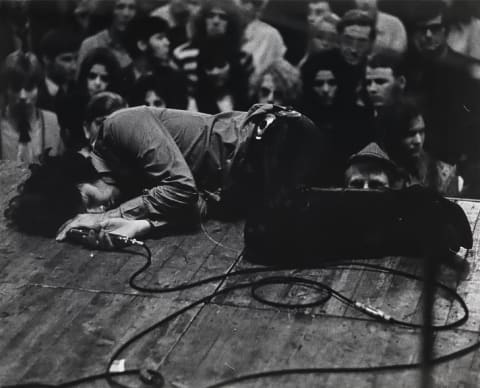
[(169, 195)]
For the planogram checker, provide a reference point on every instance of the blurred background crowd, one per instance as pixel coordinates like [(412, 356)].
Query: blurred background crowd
[(396, 84)]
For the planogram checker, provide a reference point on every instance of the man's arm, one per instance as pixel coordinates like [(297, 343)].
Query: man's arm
[(135, 139)]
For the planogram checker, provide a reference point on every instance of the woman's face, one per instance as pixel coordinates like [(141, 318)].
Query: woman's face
[(97, 79)]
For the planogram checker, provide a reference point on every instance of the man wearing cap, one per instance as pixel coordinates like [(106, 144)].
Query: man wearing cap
[(372, 169)]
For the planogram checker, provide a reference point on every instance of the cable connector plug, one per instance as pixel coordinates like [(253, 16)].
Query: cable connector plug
[(373, 312)]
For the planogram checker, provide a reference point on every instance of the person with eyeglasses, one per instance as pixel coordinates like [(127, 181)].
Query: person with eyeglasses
[(449, 83)]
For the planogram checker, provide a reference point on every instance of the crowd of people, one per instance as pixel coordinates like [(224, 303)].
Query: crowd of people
[(396, 94)]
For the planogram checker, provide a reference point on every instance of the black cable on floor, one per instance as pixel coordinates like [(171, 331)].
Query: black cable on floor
[(324, 291)]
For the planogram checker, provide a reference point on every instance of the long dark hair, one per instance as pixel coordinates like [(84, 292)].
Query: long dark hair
[(102, 56), (50, 197)]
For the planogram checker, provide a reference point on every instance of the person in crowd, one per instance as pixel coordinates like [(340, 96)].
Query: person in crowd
[(463, 27), (280, 83), (59, 50), (320, 89), (113, 37), (385, 81), (404, 137), (451, 89), (262, 41), (150, 90), (218, 27), (26, 131), (322, 102), (316, 10), (391, 33), (322, 35), (100, 71), (82, 15), (371, 169), (179, 15), (149, 166), (223, 84), (149, 46), (357, 34)]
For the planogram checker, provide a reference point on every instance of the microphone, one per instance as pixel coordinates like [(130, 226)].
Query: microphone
[(82, 236)]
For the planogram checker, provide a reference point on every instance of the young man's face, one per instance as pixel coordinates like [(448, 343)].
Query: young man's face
[(361, 177), (268, 93), (355, 44), (325, 86), (323, 36), (430, 37), (159, 46), (216, 22), (63, 68), (97, 79), (123, 13), (316, 10), (382, 85), (412, 143)]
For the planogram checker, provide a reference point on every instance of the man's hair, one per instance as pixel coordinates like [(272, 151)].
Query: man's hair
[(103, 104), (21, 69), (423, 10), (389, 59), (286, 78), (50, 197), (59, 41), (356, 17), (142, 29)]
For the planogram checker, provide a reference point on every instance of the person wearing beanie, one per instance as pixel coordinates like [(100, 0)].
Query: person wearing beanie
[(26, 132), (371, 169)]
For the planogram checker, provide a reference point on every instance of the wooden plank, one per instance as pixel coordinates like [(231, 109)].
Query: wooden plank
[(277, 339), (56, 334)]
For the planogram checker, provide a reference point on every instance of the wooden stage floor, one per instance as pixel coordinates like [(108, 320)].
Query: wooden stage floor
[(64, 310)]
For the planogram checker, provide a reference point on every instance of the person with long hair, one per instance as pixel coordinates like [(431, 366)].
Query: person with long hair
[(26, 131), (99, 72)]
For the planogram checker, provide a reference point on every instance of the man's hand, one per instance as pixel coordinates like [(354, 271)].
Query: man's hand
[(100, 228), (85, 220)]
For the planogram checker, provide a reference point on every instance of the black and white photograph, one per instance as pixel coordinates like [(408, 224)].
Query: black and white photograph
[(240, 193)]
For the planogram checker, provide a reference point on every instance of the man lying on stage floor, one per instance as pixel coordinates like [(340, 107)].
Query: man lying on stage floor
[(148, 168)]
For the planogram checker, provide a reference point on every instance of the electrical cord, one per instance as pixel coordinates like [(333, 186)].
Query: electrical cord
[(324, 291)]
